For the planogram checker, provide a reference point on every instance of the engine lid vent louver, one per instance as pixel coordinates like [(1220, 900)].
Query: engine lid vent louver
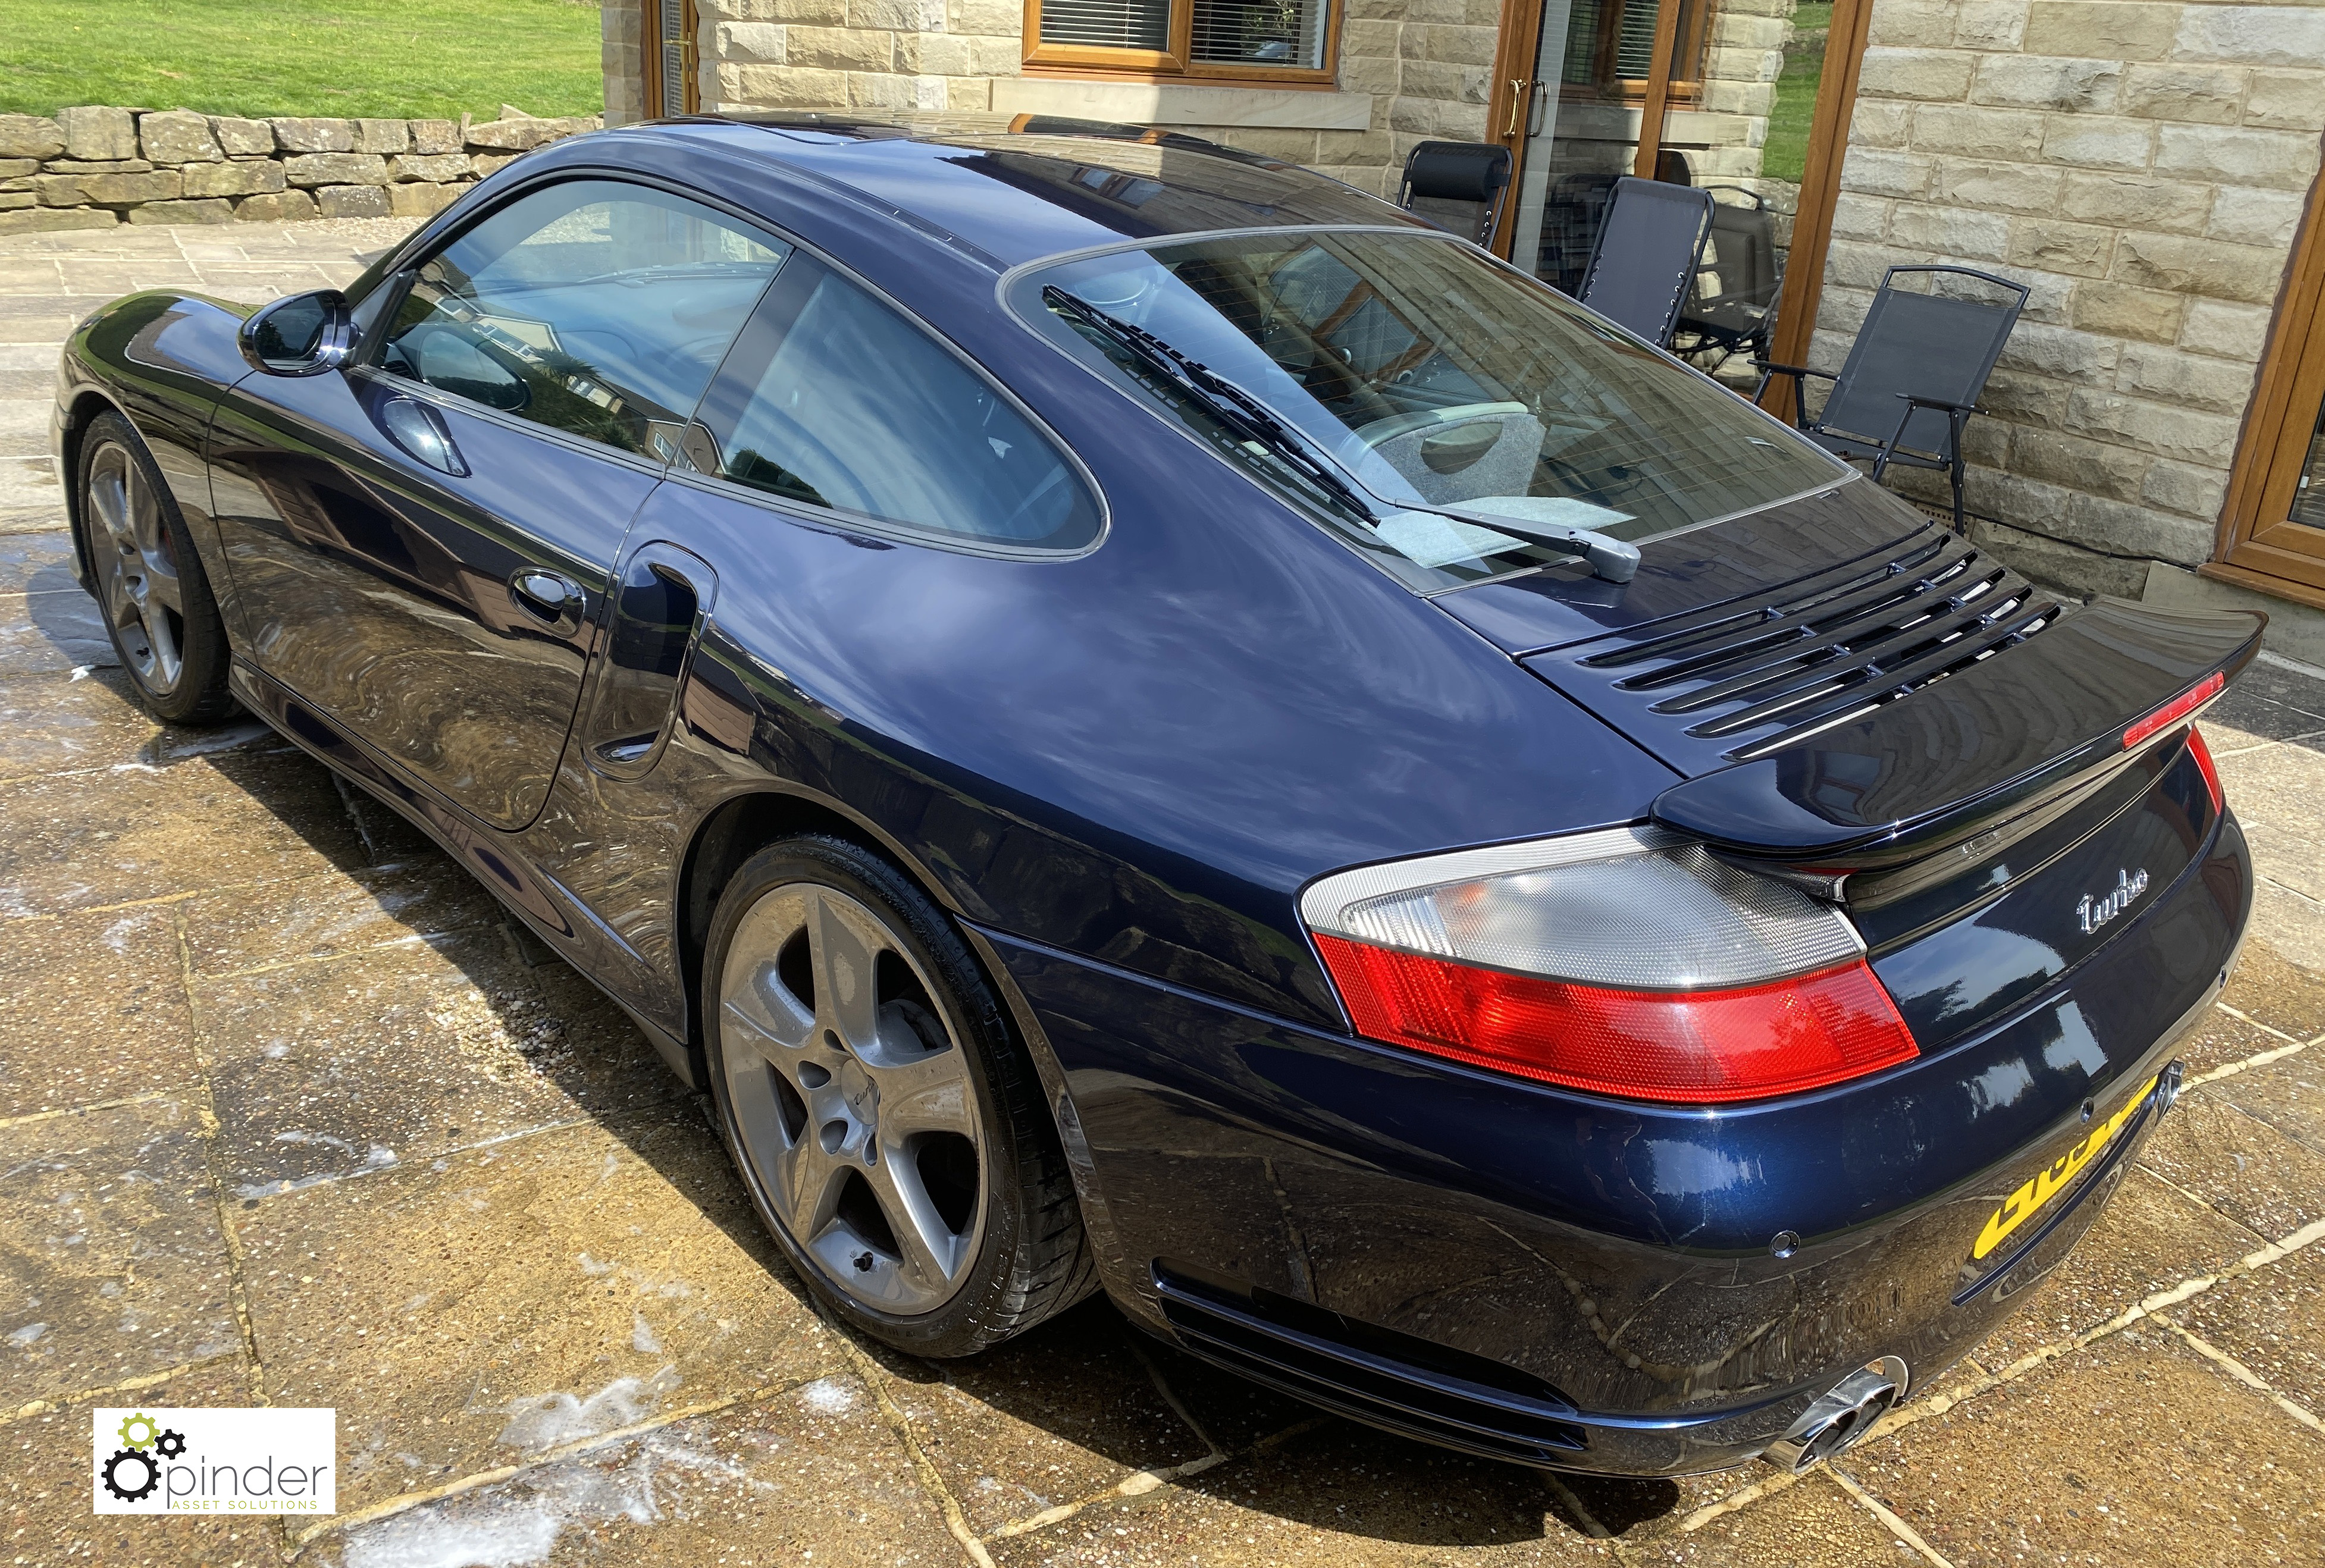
[(1744, 680)]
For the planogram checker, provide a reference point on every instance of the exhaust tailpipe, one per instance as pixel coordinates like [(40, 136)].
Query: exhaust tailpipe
[(1845, 1413)]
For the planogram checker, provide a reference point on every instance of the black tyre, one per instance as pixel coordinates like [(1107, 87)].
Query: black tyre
[(888, 1124), (150, 584)]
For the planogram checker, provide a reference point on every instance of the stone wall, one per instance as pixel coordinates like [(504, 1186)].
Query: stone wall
[(94, 167), (2142, 167)]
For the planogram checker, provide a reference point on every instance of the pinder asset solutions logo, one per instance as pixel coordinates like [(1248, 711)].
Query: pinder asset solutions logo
[(216, 1461)]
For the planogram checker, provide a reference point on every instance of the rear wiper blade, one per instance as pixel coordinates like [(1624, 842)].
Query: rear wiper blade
[(1611, 558), (1220, 397)]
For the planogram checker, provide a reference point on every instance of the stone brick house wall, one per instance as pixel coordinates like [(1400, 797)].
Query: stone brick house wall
[(2142, 166), (93, 166)]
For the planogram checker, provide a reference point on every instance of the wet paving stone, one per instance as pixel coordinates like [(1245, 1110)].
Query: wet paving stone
[(45, 1493), (1810, 1523), (147, 833), (2222, 1038), (2288, 1096), (49, 725), (811, 1476), (2134, 1450), (53, 633), (400, 1054), (1059, 1414), (2248, 1170), (332, 914), (112, 1262), (2272, 1320), (36, 561), (1339, 1494), (2272, 990), (462, 1312), (2150, 1239), (92, 1009)]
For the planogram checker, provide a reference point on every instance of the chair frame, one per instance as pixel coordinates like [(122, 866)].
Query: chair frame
[(1710, 337), (1694, 263), (1892, 450)]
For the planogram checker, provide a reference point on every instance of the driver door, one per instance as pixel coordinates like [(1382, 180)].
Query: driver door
[(423, 543)]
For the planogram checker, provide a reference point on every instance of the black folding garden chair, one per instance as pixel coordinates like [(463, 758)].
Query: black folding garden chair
[(1646, 255), (1732, 301), (1916, 370), (1459, 186)]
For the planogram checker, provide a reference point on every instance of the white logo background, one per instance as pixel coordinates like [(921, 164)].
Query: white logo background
[(223, 1461)]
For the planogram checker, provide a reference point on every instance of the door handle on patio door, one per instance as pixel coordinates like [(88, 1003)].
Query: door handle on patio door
[(1521, 105)]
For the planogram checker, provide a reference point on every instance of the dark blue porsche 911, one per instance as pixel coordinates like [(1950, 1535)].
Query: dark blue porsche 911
[(1145, 721)]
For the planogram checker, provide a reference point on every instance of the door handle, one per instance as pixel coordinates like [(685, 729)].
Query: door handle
[(548, 597), (1520, 103)]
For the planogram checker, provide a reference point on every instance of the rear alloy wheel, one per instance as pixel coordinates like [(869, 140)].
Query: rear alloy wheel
[(890, 1129), (157, 603)]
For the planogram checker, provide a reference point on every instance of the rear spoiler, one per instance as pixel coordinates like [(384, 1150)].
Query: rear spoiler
[(1976, 748)]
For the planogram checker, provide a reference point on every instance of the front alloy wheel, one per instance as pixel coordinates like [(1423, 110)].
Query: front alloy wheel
[(136, 569)]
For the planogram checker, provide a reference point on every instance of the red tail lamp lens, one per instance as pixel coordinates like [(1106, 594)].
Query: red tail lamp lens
[(2178, 708), (2207, 767), (1705, 1046)]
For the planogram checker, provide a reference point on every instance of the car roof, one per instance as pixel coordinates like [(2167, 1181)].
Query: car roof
[(1015, 189)]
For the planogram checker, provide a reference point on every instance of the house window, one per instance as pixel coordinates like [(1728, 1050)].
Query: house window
[(1610, 47), (1285, 41)]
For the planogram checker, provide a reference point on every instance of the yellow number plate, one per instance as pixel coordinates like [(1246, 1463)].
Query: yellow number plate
[(2052, 1179)]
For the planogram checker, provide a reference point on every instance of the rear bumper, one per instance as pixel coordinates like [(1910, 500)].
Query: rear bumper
[(1550, 1277)]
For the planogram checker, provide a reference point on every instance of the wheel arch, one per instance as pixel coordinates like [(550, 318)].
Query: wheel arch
[(89, 401)]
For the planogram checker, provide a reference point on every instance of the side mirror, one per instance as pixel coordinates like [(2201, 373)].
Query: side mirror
[(300, 335)]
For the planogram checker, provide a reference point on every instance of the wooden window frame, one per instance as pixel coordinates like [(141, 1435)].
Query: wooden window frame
[(1176, 63), (654, 16), (2258, 545)]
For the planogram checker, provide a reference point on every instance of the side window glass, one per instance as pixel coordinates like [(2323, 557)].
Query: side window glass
[(592, 307), (833, 400)]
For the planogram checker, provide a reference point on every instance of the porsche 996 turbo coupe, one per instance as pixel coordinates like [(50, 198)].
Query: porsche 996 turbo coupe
[(1144, 721)]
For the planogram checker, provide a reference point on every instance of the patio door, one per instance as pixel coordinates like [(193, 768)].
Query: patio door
[(2273, 527), (672, 83), (1751, 97)]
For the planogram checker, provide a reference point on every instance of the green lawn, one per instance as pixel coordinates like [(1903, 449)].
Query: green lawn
[(1788, 124), (388, 58)]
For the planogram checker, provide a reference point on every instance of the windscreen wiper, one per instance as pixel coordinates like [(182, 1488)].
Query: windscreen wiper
[(1616, 560), (1220, 397)]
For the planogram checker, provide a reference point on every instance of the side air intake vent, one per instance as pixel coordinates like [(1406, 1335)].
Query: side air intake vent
[(1372, 1374), (1821, 652)]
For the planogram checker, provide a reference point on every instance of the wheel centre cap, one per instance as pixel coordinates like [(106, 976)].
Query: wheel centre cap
[(861, 1094)]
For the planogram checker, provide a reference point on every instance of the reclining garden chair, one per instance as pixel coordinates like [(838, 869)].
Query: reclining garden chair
[(1732, 301), (1915, 372), (1458, 186), (1647, 254)]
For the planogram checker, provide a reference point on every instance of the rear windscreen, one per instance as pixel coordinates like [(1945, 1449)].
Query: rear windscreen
[(1431, 377)]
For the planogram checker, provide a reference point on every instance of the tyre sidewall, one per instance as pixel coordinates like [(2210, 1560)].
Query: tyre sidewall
[(200, 695), (974, 1316)]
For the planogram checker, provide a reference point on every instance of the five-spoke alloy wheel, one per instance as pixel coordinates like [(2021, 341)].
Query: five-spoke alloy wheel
[(888, 1124), (156, 602)]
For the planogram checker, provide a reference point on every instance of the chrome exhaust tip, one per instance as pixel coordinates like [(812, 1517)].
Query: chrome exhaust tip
[(1841, 1416)]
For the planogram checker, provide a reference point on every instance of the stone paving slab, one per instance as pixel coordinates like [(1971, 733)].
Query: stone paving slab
[(267, 1058)]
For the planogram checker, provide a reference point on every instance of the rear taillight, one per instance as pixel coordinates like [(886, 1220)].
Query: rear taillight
[(1628, 963), (2207, 767)]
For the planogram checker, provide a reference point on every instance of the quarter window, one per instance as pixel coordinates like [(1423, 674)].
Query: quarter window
[(594, 307), (832, 400)]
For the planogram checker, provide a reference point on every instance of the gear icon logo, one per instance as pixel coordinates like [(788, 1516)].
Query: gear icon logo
[(140, 1464), (132, 1426), (171, 1444)]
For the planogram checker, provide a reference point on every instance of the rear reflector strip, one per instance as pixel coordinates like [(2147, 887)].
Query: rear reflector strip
[(2178, 708), (1693, 1048)]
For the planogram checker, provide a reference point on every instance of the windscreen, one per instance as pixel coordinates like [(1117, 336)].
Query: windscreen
[(1432, 378)]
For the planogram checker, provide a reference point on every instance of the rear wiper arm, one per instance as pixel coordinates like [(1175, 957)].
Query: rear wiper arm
[(1220, 397), (1251, 419)]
